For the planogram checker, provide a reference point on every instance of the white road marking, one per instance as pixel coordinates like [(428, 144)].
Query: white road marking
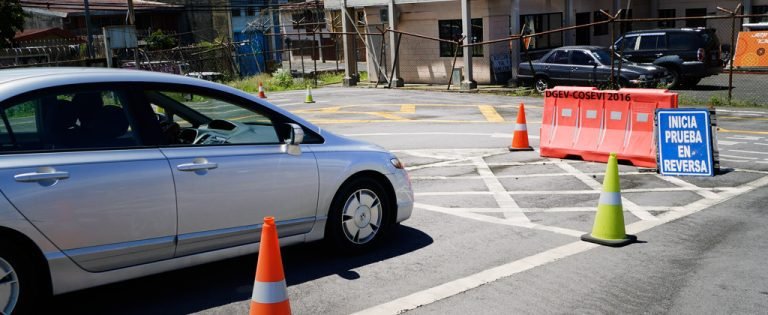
[(758, 143), (679, 182), (458, 286), (742, 137), (738, 157), (726, 142), (510, 208), (737, 161), (745, 151), (694, 188), (594, 184)]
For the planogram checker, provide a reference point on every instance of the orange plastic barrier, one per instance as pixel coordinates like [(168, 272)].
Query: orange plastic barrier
[(589, 124), (751, 50)]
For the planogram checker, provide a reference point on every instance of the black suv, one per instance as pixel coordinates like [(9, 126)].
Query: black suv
[(688, 54)]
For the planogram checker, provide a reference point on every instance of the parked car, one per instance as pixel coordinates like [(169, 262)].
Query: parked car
[(109, 175), (586, 65), (688, 54)]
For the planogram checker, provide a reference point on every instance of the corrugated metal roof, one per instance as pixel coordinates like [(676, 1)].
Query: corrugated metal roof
[(77, 6)]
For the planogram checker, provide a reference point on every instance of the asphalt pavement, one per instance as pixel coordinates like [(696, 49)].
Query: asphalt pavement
[(497, 232)]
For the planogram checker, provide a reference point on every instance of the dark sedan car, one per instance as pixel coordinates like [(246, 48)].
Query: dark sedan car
[(586, 65)]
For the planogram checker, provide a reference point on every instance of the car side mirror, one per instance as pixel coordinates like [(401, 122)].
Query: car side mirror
[(295, 138)]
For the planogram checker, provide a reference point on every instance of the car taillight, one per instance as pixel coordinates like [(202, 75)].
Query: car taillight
[(700, 54)]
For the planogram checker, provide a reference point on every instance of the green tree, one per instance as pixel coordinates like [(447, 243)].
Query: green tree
[(12, 17), (160, 41)]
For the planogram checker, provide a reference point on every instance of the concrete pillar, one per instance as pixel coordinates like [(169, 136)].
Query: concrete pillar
[(351, 76), (466, 26), (514, 51), (397, 81), (653, 8), (569, 19)]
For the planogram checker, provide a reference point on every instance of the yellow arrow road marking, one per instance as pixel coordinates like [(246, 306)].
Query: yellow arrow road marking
[(408, 109)]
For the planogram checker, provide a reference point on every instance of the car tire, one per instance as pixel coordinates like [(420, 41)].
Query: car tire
[(20, 286), (674, 78), (541, 84), (359, 215)]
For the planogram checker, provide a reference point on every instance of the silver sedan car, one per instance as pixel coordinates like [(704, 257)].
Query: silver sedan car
[(109, 175)]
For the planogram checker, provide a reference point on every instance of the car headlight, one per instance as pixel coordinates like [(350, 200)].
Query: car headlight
[(396, 163)]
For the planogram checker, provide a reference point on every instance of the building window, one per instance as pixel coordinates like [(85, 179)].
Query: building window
[(759, 9), (600, 29), (667, 13), (451, 30), (309, 20), (250, 11), (235, 12), (537, 23), (696, 22)]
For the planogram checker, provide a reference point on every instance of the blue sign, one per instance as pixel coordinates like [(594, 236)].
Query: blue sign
[(685, 142)]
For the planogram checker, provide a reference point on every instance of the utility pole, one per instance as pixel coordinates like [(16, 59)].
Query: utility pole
[(132, 21), (91, 54)]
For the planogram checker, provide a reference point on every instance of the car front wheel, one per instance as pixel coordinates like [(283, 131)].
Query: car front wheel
[(358, 215), (541, 84)]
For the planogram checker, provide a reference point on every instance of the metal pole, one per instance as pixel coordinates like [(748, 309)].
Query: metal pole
[(91, 53), (301, 54), (394, 62), (132, 21), (453, 65), (733, 49), (314, 60)]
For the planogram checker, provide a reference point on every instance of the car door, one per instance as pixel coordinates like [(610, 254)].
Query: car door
[(232, 169), (72, 163), (627, 46), (650, 47), (556, 65), (583, 68)]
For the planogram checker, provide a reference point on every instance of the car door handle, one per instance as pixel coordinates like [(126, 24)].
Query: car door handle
[(659, 55), (191, 167), (38, 177)]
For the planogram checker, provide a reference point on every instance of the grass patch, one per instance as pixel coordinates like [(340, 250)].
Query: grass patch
[(718, 101), (283, 81)]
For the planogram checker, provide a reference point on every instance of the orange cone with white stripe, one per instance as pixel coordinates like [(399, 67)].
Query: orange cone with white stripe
[(270, 294), (520, 137), (261, 91)]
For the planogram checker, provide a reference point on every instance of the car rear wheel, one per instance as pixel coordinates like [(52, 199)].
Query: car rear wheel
[(358, 215), (673, 80), (541, 84), (19, 285)]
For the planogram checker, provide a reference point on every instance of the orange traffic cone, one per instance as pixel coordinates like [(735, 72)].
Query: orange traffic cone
[(520, 137), (261, 91), (270, 294)]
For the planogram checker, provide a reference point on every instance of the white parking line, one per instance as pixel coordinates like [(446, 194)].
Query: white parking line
[(510, 208), (726, 142), (458, 286), (738, 157), (745, 151)]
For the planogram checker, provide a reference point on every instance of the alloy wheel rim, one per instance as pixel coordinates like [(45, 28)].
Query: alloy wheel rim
[(541, 85), (361, 217), (9, 287)]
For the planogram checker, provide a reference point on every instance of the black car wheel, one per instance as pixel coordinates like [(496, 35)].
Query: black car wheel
[(359, 215), (673, 80), (541, 84)]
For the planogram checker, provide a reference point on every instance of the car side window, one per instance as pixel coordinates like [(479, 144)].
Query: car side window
[(81, 119), (652, 42), (680, 41), (629, 43), (581, 58), (203, 119), (560, 56)]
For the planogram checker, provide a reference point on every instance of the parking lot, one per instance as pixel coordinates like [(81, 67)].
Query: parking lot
[(497, 232)]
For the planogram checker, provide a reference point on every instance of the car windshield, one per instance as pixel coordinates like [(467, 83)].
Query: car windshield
[(604, 56)]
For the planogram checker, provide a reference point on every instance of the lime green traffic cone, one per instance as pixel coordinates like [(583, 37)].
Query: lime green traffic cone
[(609, 221), (309, 96)]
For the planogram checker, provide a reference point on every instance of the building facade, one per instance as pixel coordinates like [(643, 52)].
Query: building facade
[(425, 61)]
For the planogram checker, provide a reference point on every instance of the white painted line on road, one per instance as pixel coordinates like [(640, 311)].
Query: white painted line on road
[(301, 103), (679, 182), (758, 143), (762, 162), (730, 160), (458, 286), (745, 112), (490, 219), (745, 151), (726, 142), (741, 137), (738, 157), (694, 189), (594, 184), (508, 205)]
